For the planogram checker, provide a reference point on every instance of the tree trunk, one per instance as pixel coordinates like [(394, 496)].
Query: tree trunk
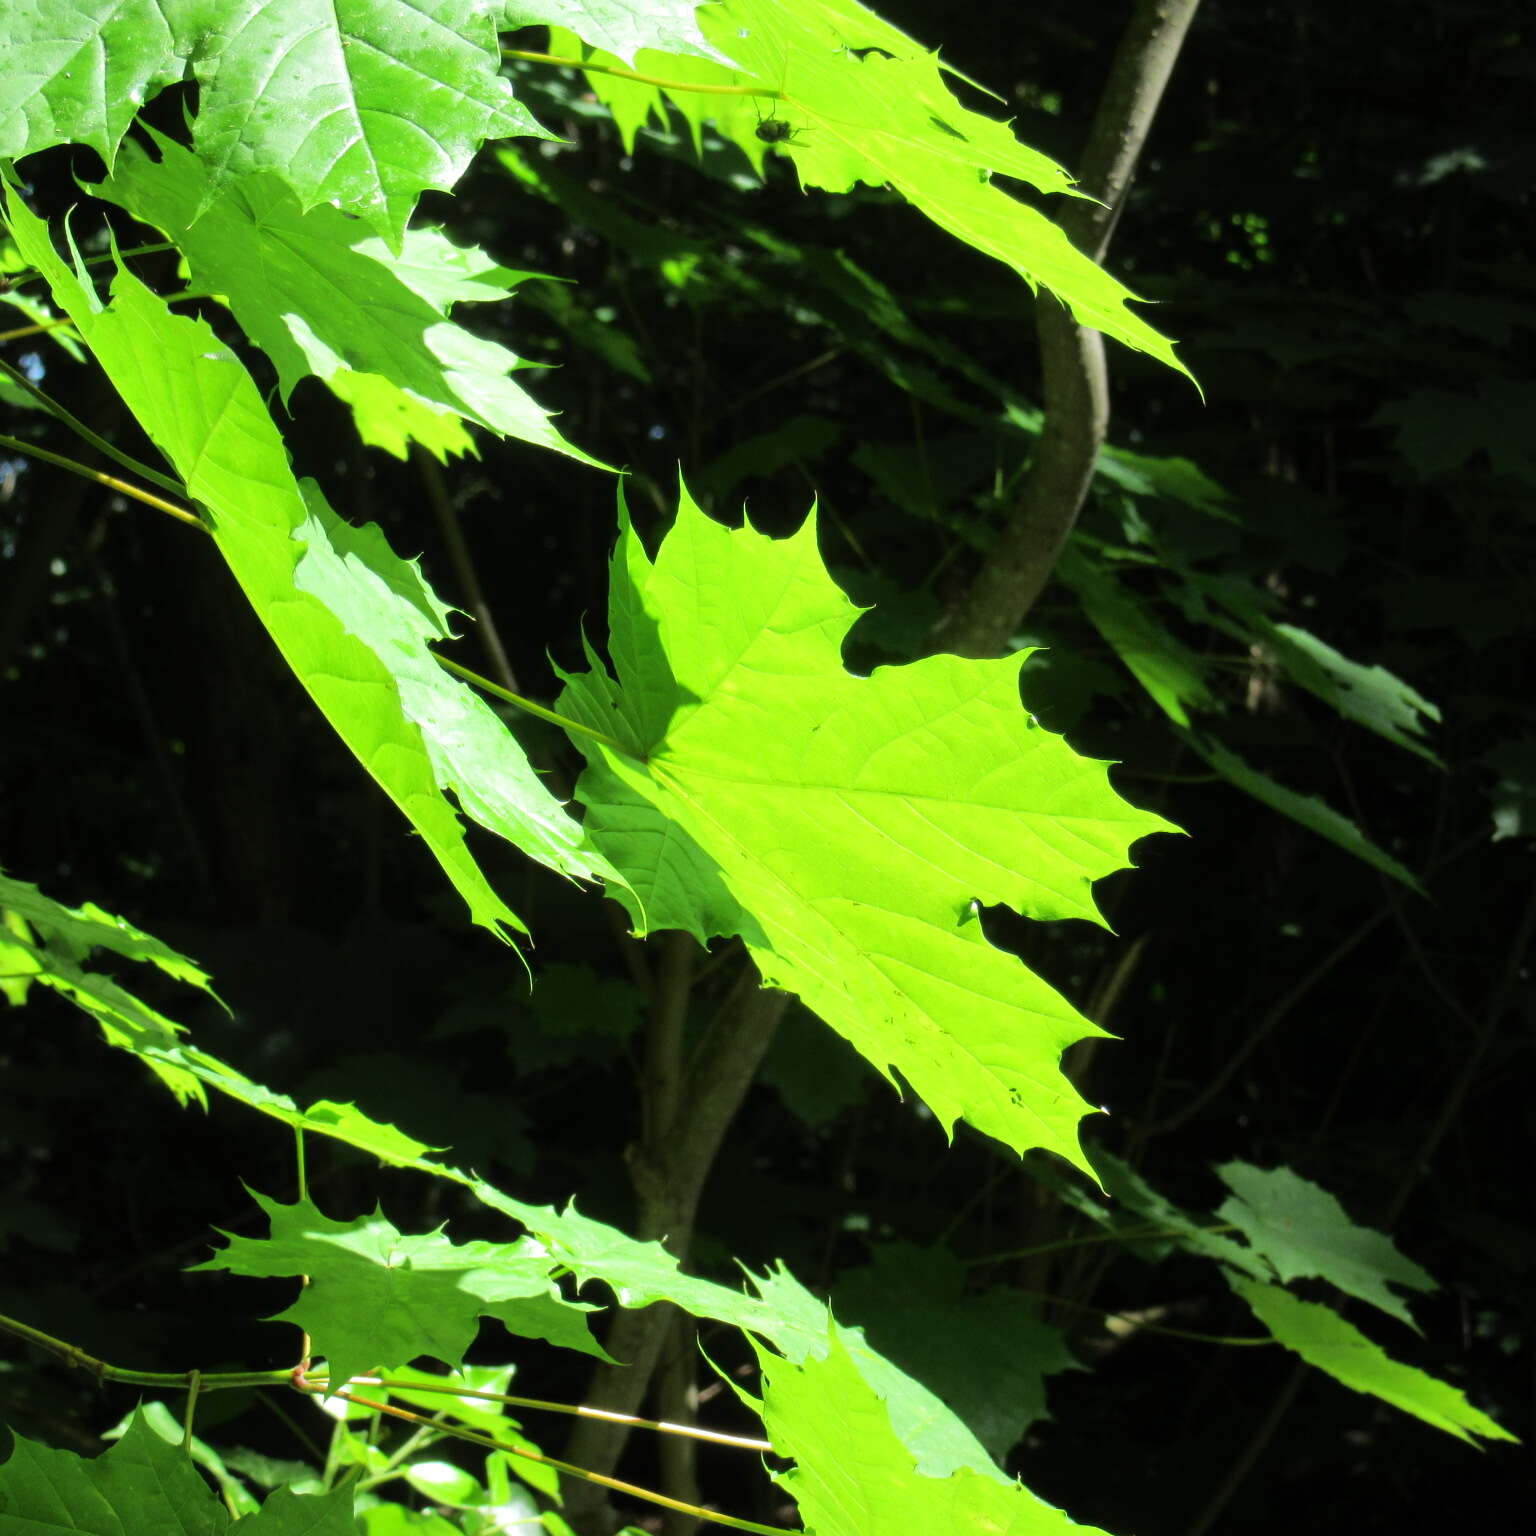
[(686, 1112), (1074, 384)]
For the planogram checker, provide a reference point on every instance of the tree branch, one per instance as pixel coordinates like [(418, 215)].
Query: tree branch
[(1074, 382), (669, 1167)]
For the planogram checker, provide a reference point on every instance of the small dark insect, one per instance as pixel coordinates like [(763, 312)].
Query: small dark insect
[(774, 130)]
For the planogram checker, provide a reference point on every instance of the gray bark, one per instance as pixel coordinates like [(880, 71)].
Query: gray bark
[(1074, 383)]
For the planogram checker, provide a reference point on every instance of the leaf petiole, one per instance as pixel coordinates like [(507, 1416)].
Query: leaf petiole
[(580, 1410), (180, 1381), (490, 1442), (31, 274), (122, 487), (1152, 1232), (620, 73), (79, 428), (538, 710)]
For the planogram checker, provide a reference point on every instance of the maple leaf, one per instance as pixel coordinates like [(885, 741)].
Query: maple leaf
[(856, 100), (1303, 1230), (364, 104), (378, 1297), (1324, 1339), (846, 828), (854, 1477), (352, 619), (143, 1483), (322, 295)]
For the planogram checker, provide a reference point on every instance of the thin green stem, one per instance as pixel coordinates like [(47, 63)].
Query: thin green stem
[(620, 73), (1147, 1233), (528, 706), (122, 487), (194, 1386), (72, 1354), (37, 328), (301, 1176), (42, 327), (417, 1440), (581, 1410), (292, 1425), (538, 710), (1136, 1320), (31, 274), (490, 1442), (198, 1382), (79, 428), (464, 564)]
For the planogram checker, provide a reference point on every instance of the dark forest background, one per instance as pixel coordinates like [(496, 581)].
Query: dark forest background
[(1335, 216)]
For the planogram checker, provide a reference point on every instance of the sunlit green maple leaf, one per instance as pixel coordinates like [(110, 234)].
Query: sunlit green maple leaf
[(143, 1484), (1303, 1231), (362, 103), (325, 1117), (1324, 1339), (859, 101), (50, 945), (77, 932), (352, 619), (78, 73), (854, 1477), (783, 1312), (619, 27), (845, 827), (322, 295), (377, 1297)]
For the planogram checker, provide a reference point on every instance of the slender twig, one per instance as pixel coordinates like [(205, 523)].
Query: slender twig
[(490, 1442), (138, 493), (1471, 1062), (464, 566), (37, 328), (207, 1381), (194, 1386), (42, 327), (210, 1381), (32, 275), (1277, 1014), (300, 1172), (79, 428), (1152, 1232), (688, 87), (1262, 1030), (122, 487), (1243, 1463), (394, 1464), (1139, 1321), (580, 1410)]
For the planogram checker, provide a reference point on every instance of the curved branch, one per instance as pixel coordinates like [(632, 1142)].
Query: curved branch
[(1074, 381)]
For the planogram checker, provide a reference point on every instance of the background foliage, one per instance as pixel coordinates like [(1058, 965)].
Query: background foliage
[(1342, 253)]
